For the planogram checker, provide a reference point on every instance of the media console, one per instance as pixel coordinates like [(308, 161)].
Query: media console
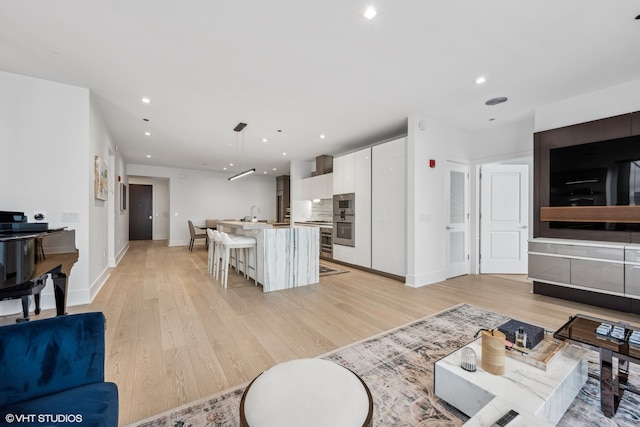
[(599, 273)]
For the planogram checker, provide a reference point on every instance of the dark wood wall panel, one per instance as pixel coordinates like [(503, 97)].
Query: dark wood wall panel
[(635, 123), (621, 126)]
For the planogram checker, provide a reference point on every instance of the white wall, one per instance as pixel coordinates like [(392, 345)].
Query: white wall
[(44, 129), (105, 219), (612, 101), (161, 204), (200, 195), (426, 195)]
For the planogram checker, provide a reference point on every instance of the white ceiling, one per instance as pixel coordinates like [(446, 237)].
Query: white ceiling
[(312, 67)]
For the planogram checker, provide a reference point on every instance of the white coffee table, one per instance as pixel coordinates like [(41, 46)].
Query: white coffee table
[(306, 392), (543, 394)]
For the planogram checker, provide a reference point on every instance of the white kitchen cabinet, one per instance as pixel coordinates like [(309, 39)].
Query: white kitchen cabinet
[(362, 190), (388, 207), (344, 174), (321, 186), (317, 187)]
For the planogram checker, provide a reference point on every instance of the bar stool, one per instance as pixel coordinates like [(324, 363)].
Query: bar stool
[(211, 250), (235, 243), (217, 253)]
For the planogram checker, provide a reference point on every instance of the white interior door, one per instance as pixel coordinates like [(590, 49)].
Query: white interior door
[(457, 220), (504, 219)]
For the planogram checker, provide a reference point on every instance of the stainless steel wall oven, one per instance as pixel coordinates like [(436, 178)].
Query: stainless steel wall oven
[(344, 219)]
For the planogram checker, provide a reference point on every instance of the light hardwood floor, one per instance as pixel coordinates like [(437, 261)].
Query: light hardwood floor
[(174, 335)]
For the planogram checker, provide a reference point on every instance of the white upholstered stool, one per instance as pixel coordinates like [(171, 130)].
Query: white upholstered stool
[(306, 392), (217, 253), (211, 250), (234, 243)]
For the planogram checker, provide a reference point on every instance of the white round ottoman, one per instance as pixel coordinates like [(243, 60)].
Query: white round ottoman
[(306, 392)]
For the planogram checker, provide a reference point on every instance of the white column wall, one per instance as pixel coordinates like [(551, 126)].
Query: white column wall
[(426, 195), (44, 132), (199, 195)]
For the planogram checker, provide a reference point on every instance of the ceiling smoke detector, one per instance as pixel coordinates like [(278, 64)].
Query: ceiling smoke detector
[(496, 101)]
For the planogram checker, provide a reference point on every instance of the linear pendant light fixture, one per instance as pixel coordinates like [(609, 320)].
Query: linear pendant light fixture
[(241, 174), (239, 128)]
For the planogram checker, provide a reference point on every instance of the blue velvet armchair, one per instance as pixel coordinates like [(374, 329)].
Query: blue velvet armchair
[(52, 373)]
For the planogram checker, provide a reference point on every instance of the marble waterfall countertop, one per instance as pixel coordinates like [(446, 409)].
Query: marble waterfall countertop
[(245, 225), (287, 257)]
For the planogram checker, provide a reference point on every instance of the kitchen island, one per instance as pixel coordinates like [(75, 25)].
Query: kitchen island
[(287, 257)]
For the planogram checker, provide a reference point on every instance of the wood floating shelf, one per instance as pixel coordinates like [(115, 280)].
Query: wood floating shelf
[(629, 214)]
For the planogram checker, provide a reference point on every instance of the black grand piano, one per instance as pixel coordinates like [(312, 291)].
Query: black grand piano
[(24, 270)]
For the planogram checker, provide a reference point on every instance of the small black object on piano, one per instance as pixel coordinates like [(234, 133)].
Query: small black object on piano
[(12, 222)]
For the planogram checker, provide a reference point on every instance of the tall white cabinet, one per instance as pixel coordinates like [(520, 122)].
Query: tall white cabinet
[(377, 176), (363, 207), (344, 169), (388, 207), (352, 174)]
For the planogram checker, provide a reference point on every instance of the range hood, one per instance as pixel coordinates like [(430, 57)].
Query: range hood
[(324, 165)]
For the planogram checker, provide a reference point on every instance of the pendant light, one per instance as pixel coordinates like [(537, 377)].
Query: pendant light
[(239, 128)]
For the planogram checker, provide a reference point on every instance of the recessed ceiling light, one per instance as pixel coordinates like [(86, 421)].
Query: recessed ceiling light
[(322, 136), (480, 80), (370, 12), (148, 133), (230, 164), (284, 154), (496, 101), (265, 172), (275, 169), (264, 139), (224, 169), (148, 156), (146, 100)]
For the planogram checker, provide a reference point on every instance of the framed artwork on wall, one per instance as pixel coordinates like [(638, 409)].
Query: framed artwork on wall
[(101, 179), (123, 197)]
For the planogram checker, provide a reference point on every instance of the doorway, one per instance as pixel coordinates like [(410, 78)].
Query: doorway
[(504, 219), (457, 220), (141, 212)]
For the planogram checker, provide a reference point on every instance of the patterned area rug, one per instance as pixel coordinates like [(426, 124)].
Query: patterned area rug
[(397, 365), (325, 270)]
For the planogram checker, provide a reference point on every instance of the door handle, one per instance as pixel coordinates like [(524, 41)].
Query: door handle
[(150, 217), (524, 227), (448, 227)]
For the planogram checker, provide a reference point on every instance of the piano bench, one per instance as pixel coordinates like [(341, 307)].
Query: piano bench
[(24, 291), (55, 368)]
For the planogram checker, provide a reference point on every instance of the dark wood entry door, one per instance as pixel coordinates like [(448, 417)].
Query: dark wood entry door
[(141, 212)]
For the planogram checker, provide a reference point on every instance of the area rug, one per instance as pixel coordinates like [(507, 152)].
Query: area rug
[(397, 365), (325, 270)]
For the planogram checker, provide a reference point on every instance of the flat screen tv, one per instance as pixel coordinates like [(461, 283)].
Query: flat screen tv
[(604, 173)]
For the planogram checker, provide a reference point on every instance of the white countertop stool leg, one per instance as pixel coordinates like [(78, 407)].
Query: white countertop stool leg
[(218, 253), (239, 242), (211, 250)]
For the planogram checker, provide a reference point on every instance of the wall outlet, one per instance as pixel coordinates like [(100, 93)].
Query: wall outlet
[(70, 216)]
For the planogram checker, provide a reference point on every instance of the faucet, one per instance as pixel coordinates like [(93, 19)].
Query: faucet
[(251, 212)]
